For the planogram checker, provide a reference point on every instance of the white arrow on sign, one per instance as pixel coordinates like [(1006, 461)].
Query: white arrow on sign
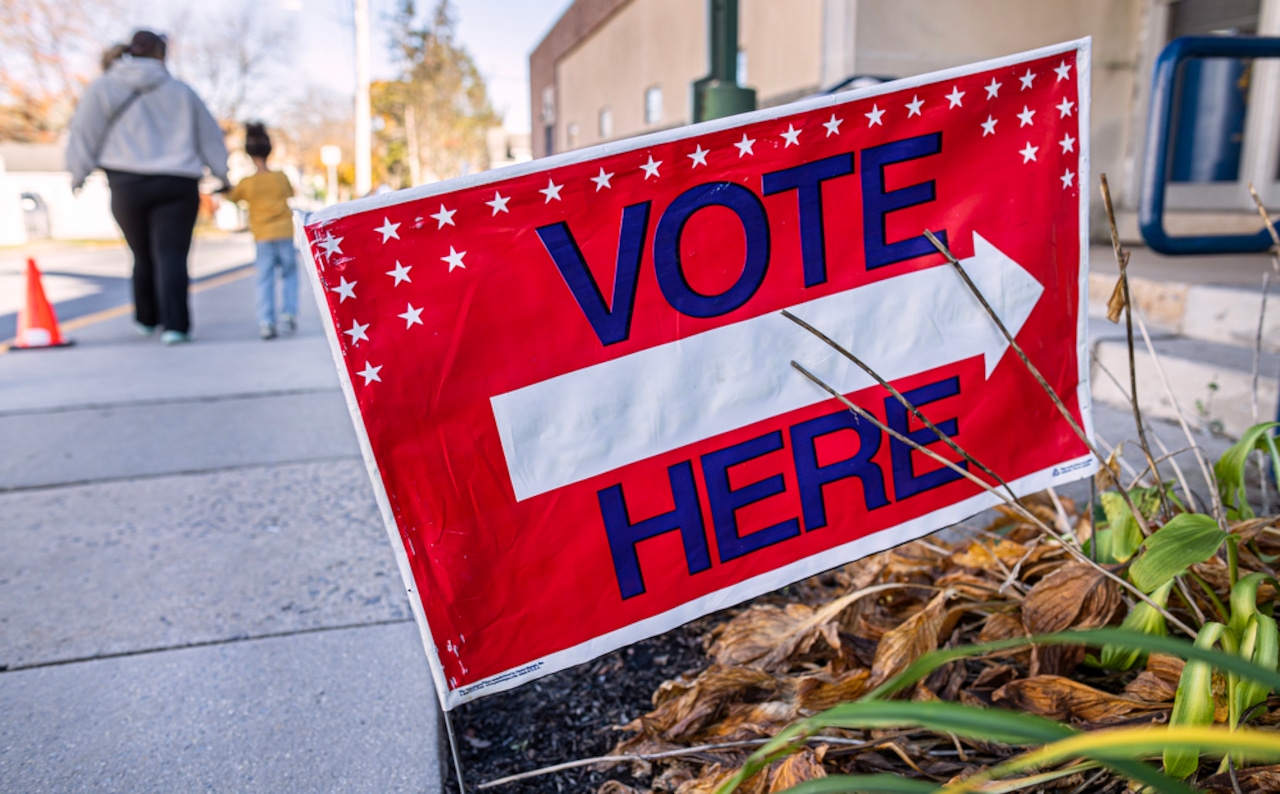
[(608, 415)]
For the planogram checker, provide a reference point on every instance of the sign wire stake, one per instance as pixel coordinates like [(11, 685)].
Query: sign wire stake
[(453, 750)]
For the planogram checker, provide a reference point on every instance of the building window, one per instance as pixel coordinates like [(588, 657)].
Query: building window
[(549, 105), (549, 139), (571, 134), (606, 123), (653, 105), (742, 67)]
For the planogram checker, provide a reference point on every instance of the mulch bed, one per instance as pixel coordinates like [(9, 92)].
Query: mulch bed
[(570, 715)]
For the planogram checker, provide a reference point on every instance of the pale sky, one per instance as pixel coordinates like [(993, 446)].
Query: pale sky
[(499, 34)]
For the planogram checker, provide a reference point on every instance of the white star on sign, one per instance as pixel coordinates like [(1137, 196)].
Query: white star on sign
[(993, 89), (1026, 80), (954, 97), (1025, 116), (989, 126), (874, 116), (792, 136), (1064, 109), (345, 289), (833, 125), (388, 230), (651, 167), (1067, 178), (1067, 143), (330, 244), (444, 216), (699, 156), (1028, 153), (913, 107), (551, 191), (499, 203), (1062, 69), (357, 332), (744, 145), (411, 316), (454, 259), (370, 373), (401, 273), (602, 180)]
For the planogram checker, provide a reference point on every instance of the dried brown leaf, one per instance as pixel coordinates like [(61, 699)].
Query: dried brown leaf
[(820, 692), (906, 643), (796, 769), (1075, 595), (995, 675), (713, 777), (1001, 626), (744, 721), (618, 787), (704, 701), (982, 556), (1061, 698), (1116, 303), (755, 633), (1108, 475), (1159, 682), (1255, 780)]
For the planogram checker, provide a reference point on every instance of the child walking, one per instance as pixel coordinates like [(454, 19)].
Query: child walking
[(267, 193)]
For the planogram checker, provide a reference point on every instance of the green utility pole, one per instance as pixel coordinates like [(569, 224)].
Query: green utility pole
[(718, 94)]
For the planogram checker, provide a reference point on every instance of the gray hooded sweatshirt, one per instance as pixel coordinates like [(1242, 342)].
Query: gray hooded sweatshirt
[(166, 129)]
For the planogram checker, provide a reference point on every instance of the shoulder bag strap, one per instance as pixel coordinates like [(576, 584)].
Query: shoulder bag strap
[(112, 119)]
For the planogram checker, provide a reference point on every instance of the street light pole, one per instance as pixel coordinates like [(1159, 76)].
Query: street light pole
[(364, 136)]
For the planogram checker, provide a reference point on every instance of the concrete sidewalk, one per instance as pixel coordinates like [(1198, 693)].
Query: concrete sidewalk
[(197, 590)]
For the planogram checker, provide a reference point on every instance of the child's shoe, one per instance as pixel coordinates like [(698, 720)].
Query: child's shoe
[(267, 331), (142, 329), (174, 338), (288, 323)]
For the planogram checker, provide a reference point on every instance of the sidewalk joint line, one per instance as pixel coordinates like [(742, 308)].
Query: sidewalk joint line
[(9, 489), (203, 644), (148, 403)]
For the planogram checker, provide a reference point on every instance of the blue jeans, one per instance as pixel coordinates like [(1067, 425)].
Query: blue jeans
[(273, 254)]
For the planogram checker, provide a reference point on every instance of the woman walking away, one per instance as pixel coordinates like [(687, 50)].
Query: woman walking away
[(267, 193), (153, 137)]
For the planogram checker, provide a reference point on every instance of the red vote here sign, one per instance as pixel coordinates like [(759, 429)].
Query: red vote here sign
[(572, 382)]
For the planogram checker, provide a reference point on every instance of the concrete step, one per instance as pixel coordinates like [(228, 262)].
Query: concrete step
[(1222, 314), (1212, 382), (1203, 315)]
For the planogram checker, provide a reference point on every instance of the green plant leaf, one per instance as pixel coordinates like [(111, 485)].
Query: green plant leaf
[(1230, 468), (1142, 618), (1132, 743), (1193, 703), (999, 725), (1244, 600), (1118, 542), (864, 784), (1187, 539), (1223, 662)]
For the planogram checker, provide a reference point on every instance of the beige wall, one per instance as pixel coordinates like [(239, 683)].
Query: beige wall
[(664, 43), (646, 43), (900, 38), (783, 42)]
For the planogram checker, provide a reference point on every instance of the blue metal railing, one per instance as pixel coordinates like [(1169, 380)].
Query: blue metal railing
[(1155, 171)]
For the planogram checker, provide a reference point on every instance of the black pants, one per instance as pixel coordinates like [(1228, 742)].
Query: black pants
[(157, 214)]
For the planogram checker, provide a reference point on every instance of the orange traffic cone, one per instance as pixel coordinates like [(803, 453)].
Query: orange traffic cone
[(37, 324)]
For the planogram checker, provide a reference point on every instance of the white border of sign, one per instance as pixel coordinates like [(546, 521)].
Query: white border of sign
[(880, 541)]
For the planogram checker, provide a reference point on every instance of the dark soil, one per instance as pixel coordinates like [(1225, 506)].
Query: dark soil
[(570, 715)]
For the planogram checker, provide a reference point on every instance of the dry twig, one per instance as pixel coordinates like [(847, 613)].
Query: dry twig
[(1044, 384), (1014, 505)]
